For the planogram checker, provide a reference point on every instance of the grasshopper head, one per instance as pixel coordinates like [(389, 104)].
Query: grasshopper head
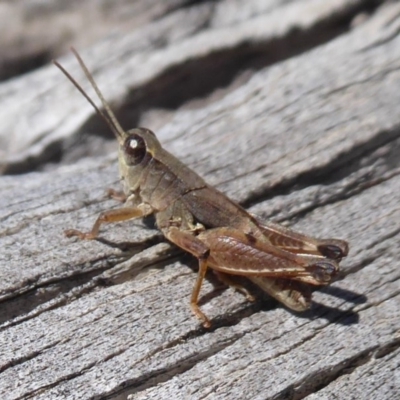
[(136, 148)]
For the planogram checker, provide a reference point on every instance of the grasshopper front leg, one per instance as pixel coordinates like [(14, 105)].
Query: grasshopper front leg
[(116, 215)]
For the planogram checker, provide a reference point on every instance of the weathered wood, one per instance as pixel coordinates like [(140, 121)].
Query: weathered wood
[(152, 68), (314, 141), (27, 42)]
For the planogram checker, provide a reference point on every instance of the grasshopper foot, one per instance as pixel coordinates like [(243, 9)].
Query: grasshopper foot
[(81, 235), (200, 315), (207, 324)]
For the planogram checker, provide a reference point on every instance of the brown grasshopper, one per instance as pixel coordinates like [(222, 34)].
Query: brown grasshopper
[(206, 223)]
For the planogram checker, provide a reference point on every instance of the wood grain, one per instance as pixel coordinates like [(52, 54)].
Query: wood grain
[(311, 140)]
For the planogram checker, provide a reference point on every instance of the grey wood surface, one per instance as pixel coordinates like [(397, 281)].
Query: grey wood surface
[(309, 138)]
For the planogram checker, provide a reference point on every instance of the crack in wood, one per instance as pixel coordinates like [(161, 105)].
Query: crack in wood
[(328, 376), (344, 165)]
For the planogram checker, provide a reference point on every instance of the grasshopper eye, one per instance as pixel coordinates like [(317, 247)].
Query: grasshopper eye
[(134, 149)]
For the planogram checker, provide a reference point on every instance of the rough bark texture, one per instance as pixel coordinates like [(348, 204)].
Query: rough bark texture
[(290, 107)]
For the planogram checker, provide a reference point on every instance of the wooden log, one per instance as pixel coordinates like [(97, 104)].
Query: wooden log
[(312, 141)]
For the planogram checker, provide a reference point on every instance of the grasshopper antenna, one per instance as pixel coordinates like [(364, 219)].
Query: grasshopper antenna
[(108, 116)]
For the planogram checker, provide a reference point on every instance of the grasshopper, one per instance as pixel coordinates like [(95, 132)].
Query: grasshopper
[(204, 222)]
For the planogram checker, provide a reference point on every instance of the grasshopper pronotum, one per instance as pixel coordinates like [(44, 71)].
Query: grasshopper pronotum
[(206, 223)]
